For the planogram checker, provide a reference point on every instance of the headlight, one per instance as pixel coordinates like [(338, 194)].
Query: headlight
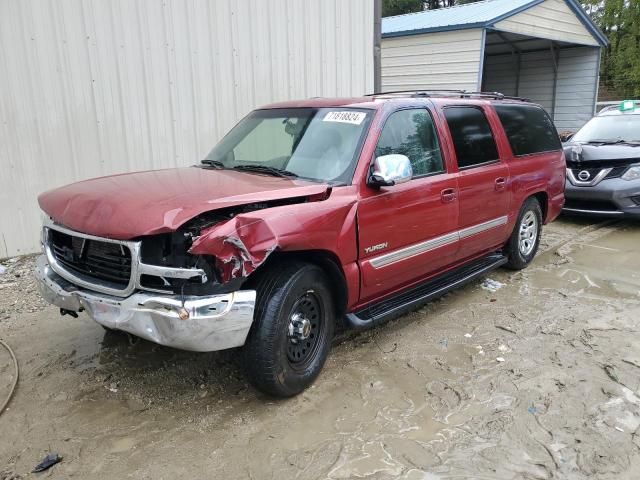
[(43, 233), (633, 173)]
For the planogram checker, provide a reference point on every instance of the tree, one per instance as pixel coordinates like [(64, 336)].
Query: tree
[(620, 68), (400, 7)]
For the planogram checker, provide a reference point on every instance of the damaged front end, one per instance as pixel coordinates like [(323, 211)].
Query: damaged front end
[(182, 289), (239, 242), (232, 242), (150, 287), (239, 246)]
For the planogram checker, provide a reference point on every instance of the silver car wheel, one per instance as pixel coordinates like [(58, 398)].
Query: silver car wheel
[(528, 233)]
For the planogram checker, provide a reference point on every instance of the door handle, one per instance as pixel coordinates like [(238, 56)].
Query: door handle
[(501, 184), (448, 195)]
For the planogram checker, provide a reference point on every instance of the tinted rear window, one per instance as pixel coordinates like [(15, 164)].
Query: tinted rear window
[(472, 137), (528, 128)]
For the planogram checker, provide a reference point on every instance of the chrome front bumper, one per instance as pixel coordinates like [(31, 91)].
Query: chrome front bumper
[(215, 323)]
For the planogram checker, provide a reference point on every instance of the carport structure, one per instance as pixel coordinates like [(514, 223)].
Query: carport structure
[(544, 50)]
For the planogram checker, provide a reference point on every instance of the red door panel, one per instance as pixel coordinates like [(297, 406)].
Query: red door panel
[(407, 232), (476, 142), (484, 205)]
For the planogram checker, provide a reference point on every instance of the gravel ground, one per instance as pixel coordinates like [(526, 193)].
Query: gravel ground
[(18, 290), (526, 375)]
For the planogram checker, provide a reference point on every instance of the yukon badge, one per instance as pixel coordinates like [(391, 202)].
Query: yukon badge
[(375, 248)]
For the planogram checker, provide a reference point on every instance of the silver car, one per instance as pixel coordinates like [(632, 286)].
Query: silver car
[(603, 164)]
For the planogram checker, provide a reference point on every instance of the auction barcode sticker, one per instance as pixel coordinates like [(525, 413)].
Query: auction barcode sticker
[(355, 118)]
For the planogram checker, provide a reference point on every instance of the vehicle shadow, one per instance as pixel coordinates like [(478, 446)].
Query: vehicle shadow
[(162, 375)]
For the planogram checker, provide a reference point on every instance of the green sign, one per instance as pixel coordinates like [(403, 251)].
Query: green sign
[(627, 105)]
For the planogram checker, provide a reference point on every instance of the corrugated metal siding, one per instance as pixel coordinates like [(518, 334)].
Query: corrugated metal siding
[(551, 19), (536, 76), (435, 60), (577, 87), (95, 87), (500, 72)]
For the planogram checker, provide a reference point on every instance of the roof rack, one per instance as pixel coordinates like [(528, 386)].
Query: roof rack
[(447, 93)]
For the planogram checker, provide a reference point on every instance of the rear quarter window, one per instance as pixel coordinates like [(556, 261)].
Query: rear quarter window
[(528, 128)]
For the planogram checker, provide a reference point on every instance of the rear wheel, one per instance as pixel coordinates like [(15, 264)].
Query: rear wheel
[(525, 238), (292, 330)]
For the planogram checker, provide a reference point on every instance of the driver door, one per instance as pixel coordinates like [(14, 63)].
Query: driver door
[(408, 231)]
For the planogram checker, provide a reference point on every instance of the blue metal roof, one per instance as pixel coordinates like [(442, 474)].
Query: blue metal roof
[(482, 14)]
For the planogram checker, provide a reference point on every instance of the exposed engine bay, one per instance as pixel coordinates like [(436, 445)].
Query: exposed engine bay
[(227, 267)]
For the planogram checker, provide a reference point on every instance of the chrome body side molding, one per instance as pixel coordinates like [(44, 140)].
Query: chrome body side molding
[(434, 243)]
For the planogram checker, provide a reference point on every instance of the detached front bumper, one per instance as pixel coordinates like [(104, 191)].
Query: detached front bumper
[(215, 323), (613, 197)]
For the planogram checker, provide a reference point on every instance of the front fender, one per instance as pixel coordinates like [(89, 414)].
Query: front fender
[(243, 243)]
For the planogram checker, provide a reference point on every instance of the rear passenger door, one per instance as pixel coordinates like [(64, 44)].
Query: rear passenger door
[(483, 180)]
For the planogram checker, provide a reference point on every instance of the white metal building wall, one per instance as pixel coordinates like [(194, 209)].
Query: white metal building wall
[(577, 89), (500, 73), (552, 19), (432, 61), (95, 87), (536, 76)]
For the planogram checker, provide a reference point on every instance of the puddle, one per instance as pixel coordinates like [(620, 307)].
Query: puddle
[(422, 397)]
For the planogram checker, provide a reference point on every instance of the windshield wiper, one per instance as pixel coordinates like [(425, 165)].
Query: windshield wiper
[(618, 141), (213, 163), (276, 172)]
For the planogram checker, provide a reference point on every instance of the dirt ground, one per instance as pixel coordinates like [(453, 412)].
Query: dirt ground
[(538, 379)]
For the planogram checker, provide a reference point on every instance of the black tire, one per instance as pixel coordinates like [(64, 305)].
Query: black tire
[(292, 329), (522, 247)]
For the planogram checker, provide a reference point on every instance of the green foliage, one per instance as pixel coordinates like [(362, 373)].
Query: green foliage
[(400, 7), (620, 22)]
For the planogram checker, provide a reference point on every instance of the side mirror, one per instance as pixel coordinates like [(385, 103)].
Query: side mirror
[(389, 170)]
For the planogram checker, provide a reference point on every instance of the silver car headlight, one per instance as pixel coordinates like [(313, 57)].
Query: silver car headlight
[(632, 173)]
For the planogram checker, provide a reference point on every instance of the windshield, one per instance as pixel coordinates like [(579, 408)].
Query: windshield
[(319, 144), (610, 128)]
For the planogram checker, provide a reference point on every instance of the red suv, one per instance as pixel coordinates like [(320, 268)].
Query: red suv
[(307, 214)]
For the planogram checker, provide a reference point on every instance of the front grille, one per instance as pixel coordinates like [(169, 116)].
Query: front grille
[(104, 262), (617, 172), (594, 205), (593, 172), (636, 200)]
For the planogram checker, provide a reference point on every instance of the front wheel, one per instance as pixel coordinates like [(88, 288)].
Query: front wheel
[(292, 330), (525, 238)]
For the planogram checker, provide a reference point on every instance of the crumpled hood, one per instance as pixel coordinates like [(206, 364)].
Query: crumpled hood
[(623, 154), (131, 205)]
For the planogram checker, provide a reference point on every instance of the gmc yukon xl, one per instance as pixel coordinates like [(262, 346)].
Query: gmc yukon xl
[(307, 215)]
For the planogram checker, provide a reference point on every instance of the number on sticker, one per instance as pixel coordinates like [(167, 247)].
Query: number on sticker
[(355, 118)]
